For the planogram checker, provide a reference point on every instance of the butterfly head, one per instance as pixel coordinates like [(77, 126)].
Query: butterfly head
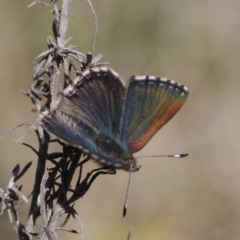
[(130, 164)]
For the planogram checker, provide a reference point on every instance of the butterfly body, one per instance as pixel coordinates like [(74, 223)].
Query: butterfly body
[(109, 121)]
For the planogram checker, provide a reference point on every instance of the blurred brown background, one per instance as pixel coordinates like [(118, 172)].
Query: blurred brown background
[(194, 42)]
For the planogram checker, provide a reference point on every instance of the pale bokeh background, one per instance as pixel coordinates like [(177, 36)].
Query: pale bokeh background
[(194, 42)]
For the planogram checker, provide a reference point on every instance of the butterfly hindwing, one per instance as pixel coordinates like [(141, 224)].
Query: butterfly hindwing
[(150, 103)]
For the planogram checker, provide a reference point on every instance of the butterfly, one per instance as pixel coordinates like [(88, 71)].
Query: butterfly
[(109, 121)]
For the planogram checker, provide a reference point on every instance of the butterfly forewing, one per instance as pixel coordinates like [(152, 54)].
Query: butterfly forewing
[(99, 95), (150, 103)]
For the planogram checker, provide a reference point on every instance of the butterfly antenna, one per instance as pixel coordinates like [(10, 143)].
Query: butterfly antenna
[(129, 233), (17, 126), (173, 155), (32, 126), (127, 192), (95, 25)]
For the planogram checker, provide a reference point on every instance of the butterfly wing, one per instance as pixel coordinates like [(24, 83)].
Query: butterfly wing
[(89, 115), (98, 97), (150, 103)]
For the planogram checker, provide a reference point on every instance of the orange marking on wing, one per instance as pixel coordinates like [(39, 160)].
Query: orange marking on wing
[(158, 123)]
